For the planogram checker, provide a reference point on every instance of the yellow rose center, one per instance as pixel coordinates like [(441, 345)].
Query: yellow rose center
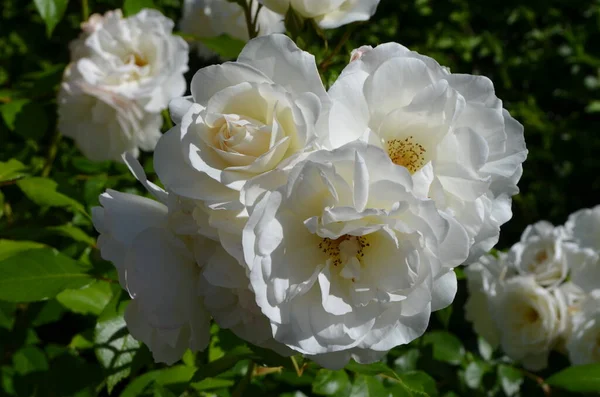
[(407, 153), (137, 59), (531, 316), (344, 250)]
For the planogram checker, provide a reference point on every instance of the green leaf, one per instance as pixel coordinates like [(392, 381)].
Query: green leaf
[(446, 347), (419, 381), (50, 312), (212, 383), (91, 299), (131, 7), (52, 12), (7, 314), (10, 111), (401, 390), (116, 348), (229, 360), (37, 274), (178, 374), (407, 361), (80, 342), (9, 248), (444, 316), (30, 359), (593, 107), (226, 46), (371, 369), (72, 232), (511, 379), (161, 391), (11, 170), (579, 379), (331, 383), (42, 191), (368, 386)]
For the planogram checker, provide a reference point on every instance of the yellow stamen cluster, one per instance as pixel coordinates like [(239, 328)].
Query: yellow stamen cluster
[(407, 153), (332, 247)]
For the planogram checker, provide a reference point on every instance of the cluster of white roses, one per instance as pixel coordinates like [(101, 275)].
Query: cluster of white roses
[(123, 73), (543, 294), (321, 222)]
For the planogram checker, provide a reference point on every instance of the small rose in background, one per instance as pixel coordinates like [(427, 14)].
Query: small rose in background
[(211, 18), (542, 295), (328, 14), (123, 73)]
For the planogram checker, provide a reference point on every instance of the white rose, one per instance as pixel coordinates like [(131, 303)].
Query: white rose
[(243, 119), (482, 280), (543, 253), (345, 261), (159, 270), (530, 319), (583, 344), (210, 18), (328, 14), (584, 227), (104, 124), (159, 255), (123, 72), (449, 131), (585, 270)]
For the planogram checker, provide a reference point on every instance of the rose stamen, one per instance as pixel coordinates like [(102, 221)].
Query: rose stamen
[(407, 153), (343, 248)]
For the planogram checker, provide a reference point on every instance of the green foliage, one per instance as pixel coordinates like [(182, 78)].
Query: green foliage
[(132, 7), (582, 378), (30, 274), (61, 307), (52, 12)]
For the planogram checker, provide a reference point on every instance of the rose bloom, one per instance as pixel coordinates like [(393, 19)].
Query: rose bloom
[(544, 253), (345, 261), (159, 269), (211, 18), (483, 278), (123, 73), (584, 227), (328, 14), (583, 344), (244, 118), (449, 131), (530, 319)]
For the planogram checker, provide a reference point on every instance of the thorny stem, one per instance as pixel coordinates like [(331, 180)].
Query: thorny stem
[(167, 118), (250, 23), (85, 10), (51, 153), (106, 279), (328, 61), (243, 385), (539, 380)]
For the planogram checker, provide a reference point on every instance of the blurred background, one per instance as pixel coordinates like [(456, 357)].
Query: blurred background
[(543, 57)]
